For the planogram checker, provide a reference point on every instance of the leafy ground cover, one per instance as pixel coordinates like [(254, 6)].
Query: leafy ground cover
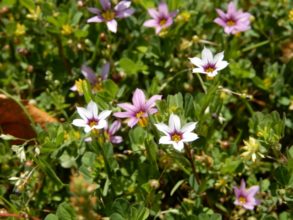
[(146, 110)]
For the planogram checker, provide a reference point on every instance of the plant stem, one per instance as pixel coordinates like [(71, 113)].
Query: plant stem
[(201, 83), (189, 154)]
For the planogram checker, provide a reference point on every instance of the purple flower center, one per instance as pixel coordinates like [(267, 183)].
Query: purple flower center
[(93, 122), (209, 68), (176, 136), (108, 15)]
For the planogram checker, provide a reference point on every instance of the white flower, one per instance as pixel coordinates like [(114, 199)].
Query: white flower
[(90, 119), (209, 64), (20, 152), (175, 134)]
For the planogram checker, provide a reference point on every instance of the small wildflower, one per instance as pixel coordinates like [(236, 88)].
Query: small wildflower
[(291, 15), (34, 14), (161, 18), (90, 119), (94, 80), (111, 131), (108, 14), (20, 29), (139, 110), (245, 197), (66, 29), (176, 135), (233, 21), (252, 149), (20, 152), (209, 64)]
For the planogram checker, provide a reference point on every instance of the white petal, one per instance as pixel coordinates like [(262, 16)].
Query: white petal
[(93, 108), (198, 70), (174, 123), (212, 74), (196, 61), (112, 25), (178, 146), (87, 129), (221, 65), (102, 124), (79, 122), (104, 114), (188, 127), (165, 140), (219, 57), (207, 55), (188, 137), (84, 114), (163, 128)]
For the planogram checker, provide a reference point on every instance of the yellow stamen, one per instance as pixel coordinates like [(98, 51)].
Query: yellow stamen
[(108, 15), (163, 22), (242, 200), (209, 69), (176, 137), (142, 120), (230, 23), (92, 123)]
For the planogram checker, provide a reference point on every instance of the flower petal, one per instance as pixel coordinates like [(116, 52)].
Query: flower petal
[(138, 98), (189, 137), (163, 128), (252, 191), (152, 101), (178, 146), (92, 107), (106, 4), (207, 55), (105, 71), (196, 61), (174, 123), (116, 139), (112, 25), (122, 5), (123, 114), (89, 74), (188, 127), (128, 107), (165, 140), (104, 114), (151, 23), (79, 122), (132, 121), (163, 9), (93, 10), (95, 19), (83, 113), (153, 13), (115, 126), (125, 13)]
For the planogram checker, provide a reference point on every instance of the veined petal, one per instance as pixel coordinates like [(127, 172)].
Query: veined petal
[(116, 139), (165, 140), (84, 113), (93, 10), (231, 8), (125, 13), (207, 55), (188, 127), (112, 25), (152, 101), (106, 4), (132, 121), (189, 137), (178, 145), (95, 19), (123, 114), (174, 123), (196, 61), (122, 5), (163, 128), (151, 23), (252, 191), (79, 122), (93, 108), (138, 98), (104, 114), (153, 13), (163, 9), (128, 107), (89, 74), (105, 71), (115, 126), (221, 13)]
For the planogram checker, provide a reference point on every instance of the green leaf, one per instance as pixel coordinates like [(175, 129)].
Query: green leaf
[(29, 4), (230, 165), (65, 211), (131, 67), (49, 171), (282, 175), (177, 185), (51, 217)]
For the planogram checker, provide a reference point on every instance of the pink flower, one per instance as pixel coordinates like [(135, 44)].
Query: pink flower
[(110, 131), (108, 14), (139, 110), (161, 17), (233, 21), (245, 197)]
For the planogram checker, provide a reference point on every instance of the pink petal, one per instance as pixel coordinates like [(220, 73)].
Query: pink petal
[(115, 126), (125, 13), (128, 107), (221, 13), (150, 23), (116, 139), (105, 71), (106, 4), (231, 8), (95, 19), (132, 121), (89, 74), (220, 22), (138, 98), (163, 9), (152, 101), (94, 10), (123, 114), (154, 13)]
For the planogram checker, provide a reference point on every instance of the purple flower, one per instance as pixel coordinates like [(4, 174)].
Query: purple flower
[(233, 21), (108, 14), (93, 79), (161, 17), (245, 197), (139, 110), (110, 131)]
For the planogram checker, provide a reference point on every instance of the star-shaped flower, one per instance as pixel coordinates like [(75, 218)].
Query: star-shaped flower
[(176, 135)]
